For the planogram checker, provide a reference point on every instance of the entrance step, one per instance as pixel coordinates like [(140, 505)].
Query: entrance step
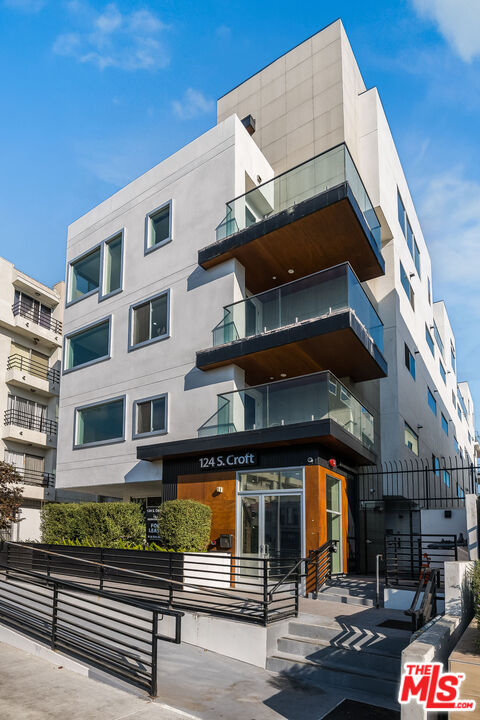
[(349, 590), (349, 654)]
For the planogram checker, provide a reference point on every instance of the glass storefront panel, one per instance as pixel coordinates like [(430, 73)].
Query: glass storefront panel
[(250, 529), (272, 480)]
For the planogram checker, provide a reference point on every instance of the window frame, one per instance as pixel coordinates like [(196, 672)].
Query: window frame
[(71, 263), (136, 435), (410, 357), (443, 372), (131, 311), (101, 294), (99, 443), (79, 330), (148, 227), (431, 395), (444, 423), (408, 427), (411, 293), (428, 335)]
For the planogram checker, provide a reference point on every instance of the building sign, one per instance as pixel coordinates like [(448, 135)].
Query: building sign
[(230, 460), (151, 518)]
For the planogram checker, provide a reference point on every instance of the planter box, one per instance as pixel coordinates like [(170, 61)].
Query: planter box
[(465, 658)]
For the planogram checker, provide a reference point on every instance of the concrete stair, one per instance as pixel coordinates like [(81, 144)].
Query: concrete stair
[(326, 652), (350, 591)]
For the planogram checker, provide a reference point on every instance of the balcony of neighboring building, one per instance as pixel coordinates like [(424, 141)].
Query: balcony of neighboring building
[(29, 428), (315, 409), (34, 373), (322, 321), (33, 319), (309, 218)]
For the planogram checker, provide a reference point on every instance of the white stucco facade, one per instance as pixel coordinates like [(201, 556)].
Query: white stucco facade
[(304, 103)]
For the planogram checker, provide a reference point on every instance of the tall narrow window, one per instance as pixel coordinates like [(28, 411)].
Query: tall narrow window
[(100, 423), (159, 227), (444, 424), (84, 275), (452, 357), (411, 439), (429, 291), (401, 212), (407, 286), (416, 257), (149, 320), (429, 340), (442, 372), (409, 361), (436, 465), (112, 270), (150, 416), (446, 478), (432, 403)]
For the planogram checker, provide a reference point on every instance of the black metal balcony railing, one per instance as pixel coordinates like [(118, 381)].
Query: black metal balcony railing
[(36, 477), (30, 422), (33, 367), (34, 314)]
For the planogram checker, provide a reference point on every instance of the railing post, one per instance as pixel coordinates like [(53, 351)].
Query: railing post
[(102, 569), (153, 683), (265, 591), (455, 546), (54, 616), (317, 576)]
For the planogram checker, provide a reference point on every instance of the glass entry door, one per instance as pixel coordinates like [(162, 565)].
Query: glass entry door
[(334, 520), (271, 525)]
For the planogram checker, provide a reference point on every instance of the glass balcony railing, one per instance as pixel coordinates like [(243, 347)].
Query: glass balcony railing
[(315, 176), (322, 294), (308, 398)]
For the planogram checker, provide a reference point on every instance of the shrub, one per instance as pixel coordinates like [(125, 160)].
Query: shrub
[(98, 524), (184, 525), (475, 579)]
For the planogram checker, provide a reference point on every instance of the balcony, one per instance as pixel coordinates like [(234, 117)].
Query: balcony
[(322, 321), (37, 478), (312, 217), (30, 320), (31, 429), (25, 372), (312, 408)]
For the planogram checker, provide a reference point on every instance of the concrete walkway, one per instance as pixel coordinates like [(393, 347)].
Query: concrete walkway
[(200, 683)]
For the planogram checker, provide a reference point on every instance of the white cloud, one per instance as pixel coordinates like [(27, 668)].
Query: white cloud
[(29, 6), (110, 38), (193, 104), (458, 21)]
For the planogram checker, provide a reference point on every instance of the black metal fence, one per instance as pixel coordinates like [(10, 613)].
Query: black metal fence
[(30, 422), (118, 635), (253, 589), (33, 367), (408, 556), (36, 315), (435, 484), (36, 477)]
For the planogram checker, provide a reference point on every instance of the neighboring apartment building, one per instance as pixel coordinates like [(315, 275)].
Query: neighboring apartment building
[(258, 367), (30, 355)]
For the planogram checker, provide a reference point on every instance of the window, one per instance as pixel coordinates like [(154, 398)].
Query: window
[(429, 291), (409, 361), (84, 275), (271, 480), (436, 466), (416, 257), (459, 412), (454, 399), (411, 439), (29, 360), (112, 265), (444, 424), (438, 337), (401, 212), (455, 443), (150, 416), (150, 320), (406, 286), (460, 491), (432, 403), (159, 227), (87, 346), (446, 478), (442, 372), (429, 340), (452, 357), (32, 309), (100, 423)]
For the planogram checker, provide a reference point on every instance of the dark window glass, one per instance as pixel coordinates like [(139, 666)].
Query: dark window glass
[(429, 340), (151, 416), (100, 423), (406, 286), (84, 275), (401, 212), (416, 257), (160, 226), (436, 465), (150, 320), (442, 372), (88, 345), (409, 361), (444, 424), (431, 401), (113, 265)]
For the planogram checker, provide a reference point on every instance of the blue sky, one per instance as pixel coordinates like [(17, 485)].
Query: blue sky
[(95, 93)]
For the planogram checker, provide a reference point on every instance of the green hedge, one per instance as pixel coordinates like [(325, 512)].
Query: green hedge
[(101, 524), (184, 525)]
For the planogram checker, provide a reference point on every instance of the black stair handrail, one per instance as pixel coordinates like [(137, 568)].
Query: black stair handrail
[(314, 558)]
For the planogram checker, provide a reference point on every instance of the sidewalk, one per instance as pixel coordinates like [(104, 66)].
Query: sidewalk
[(193, 681)]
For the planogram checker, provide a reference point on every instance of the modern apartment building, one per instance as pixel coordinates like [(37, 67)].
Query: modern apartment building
[(252, 321), (30, 358)]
